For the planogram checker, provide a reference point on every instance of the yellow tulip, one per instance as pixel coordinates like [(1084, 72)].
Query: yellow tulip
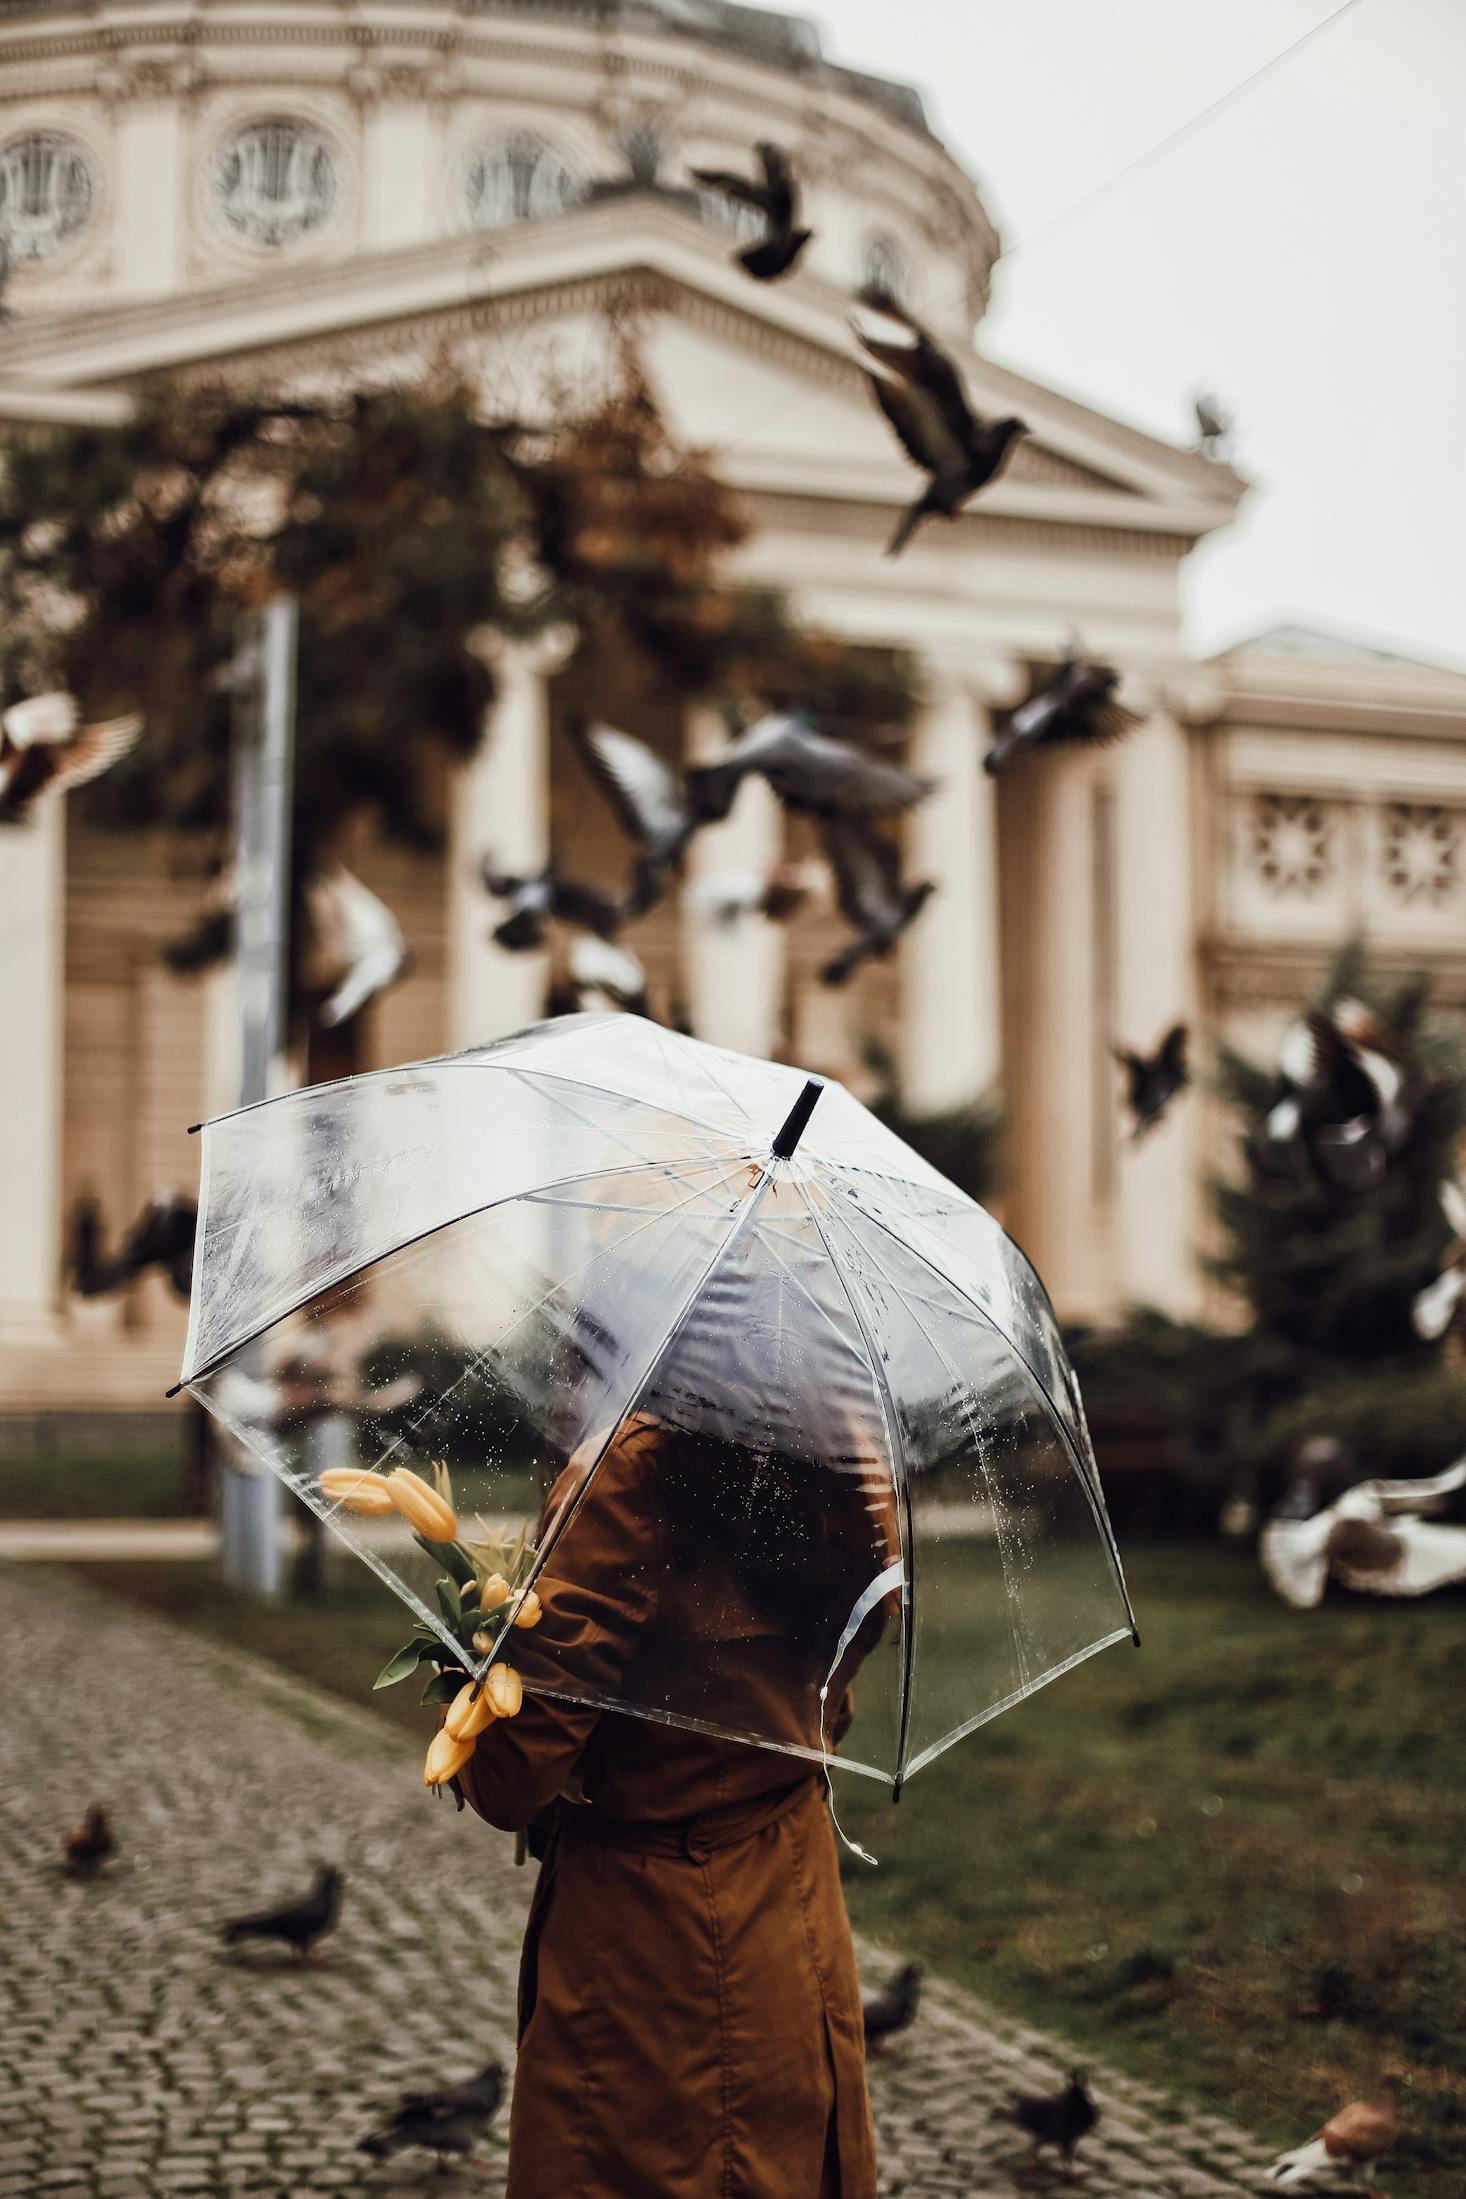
[(445, 1757), (421, 1506), (530, 1611), (468, 1713), (504, 1689), (492, 1592), (356, 1491), (483, 1641)]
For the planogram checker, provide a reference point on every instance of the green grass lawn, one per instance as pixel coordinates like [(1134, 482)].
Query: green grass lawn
[(1230, 1862), (119, 1480)]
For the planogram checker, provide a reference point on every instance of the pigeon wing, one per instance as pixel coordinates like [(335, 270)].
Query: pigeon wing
[(780, 186), (867, 872), (741, 188), (1172, 1055), (575, 903), (645, 792), (807, 770), (96, 749)]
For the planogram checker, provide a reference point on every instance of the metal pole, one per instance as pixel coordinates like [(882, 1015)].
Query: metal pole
[(264, 760)]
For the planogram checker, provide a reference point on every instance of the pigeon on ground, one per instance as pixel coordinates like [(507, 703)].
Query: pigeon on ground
[(810, 773), (1058, 2119), (650, 799), (447, 2122), (922, 396), (1437, 1306), (91, 1845), (776, 197), (606, 976), (1153, 1081), (871, 896), (1345, 1103), (1075, 706), (45, 749), (300, 1923), (1213, 426), (892, 2008), (1351, 2141), (357, 938), (542, 897)]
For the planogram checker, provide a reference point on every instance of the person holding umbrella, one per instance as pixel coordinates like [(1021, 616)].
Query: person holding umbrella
[(799, 1399)]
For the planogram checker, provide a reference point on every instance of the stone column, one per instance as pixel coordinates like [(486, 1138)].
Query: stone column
[(397, 159), (32, 1093), (734, 972), (1052, 802), (500, 806), (951, 1036), (1157, 1202)]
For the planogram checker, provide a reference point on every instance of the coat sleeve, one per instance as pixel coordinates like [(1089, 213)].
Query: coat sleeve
[(598, 1590)]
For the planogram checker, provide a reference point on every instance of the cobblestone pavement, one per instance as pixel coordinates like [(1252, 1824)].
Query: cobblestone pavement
[(139, 2060)]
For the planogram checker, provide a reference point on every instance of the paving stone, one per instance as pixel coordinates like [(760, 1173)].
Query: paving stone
[(163, 2066)]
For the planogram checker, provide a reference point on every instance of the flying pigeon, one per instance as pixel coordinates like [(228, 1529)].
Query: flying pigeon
[(358, 938), (1059, 2119), (91, 1845), (1213, 426), (1345, 1103), (447, 2122), (871, 897), (810, 773), (161, 1237), (45, 749), (727, 897), (651, 802), (1153, 1081), (776, 198), (1075, 706), (606, 976), (1437, 1305), (892, 2008), (300, 1923), (922, 396), (543, 896), (1352, 2140)]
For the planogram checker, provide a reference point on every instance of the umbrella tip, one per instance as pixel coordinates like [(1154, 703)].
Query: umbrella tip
[(174, 1391), (797, 1117), (1135, 1635)]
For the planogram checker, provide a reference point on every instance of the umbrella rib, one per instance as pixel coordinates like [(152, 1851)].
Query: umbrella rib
[(962, 1395), (902, 1481), (1086, 1480), (587, 1122), (387, 1252)]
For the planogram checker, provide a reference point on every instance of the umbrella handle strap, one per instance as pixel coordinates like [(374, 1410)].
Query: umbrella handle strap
[(864, 1605)]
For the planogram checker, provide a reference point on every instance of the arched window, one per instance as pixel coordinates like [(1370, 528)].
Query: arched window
[(885, 265), (511, 179), (274, 180), (46, 192)]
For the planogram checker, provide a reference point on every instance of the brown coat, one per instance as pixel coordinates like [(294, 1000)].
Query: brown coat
[(690, 2022)]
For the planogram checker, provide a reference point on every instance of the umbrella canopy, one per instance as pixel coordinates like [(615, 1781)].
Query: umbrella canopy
[(858, 1434)]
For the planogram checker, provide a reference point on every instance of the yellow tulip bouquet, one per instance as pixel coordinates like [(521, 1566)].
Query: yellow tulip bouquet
[(479, 1594)]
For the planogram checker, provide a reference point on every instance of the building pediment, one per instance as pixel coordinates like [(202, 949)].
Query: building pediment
[(768, 379)]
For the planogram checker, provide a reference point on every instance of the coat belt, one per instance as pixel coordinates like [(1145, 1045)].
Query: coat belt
[(693, 1839)]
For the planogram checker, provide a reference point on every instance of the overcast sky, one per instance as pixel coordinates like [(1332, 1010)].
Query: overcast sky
[(1304, 255)]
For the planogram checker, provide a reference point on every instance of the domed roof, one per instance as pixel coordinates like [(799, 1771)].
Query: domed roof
[(763, 34)]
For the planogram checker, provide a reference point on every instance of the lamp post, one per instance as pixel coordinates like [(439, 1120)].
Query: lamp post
[(263, 734)]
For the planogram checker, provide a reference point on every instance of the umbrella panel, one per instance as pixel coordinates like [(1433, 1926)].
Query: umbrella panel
[(496, 1345)]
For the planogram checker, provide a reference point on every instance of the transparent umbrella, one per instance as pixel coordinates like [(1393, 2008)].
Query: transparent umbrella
[(866, 1442)]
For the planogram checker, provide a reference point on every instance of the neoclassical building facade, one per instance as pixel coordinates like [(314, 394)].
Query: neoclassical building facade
[(290, 187)]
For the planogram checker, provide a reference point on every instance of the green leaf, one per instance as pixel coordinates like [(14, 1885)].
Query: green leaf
[(450, 1555), (449, 1601), (441, 1688), (398, 1665)]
